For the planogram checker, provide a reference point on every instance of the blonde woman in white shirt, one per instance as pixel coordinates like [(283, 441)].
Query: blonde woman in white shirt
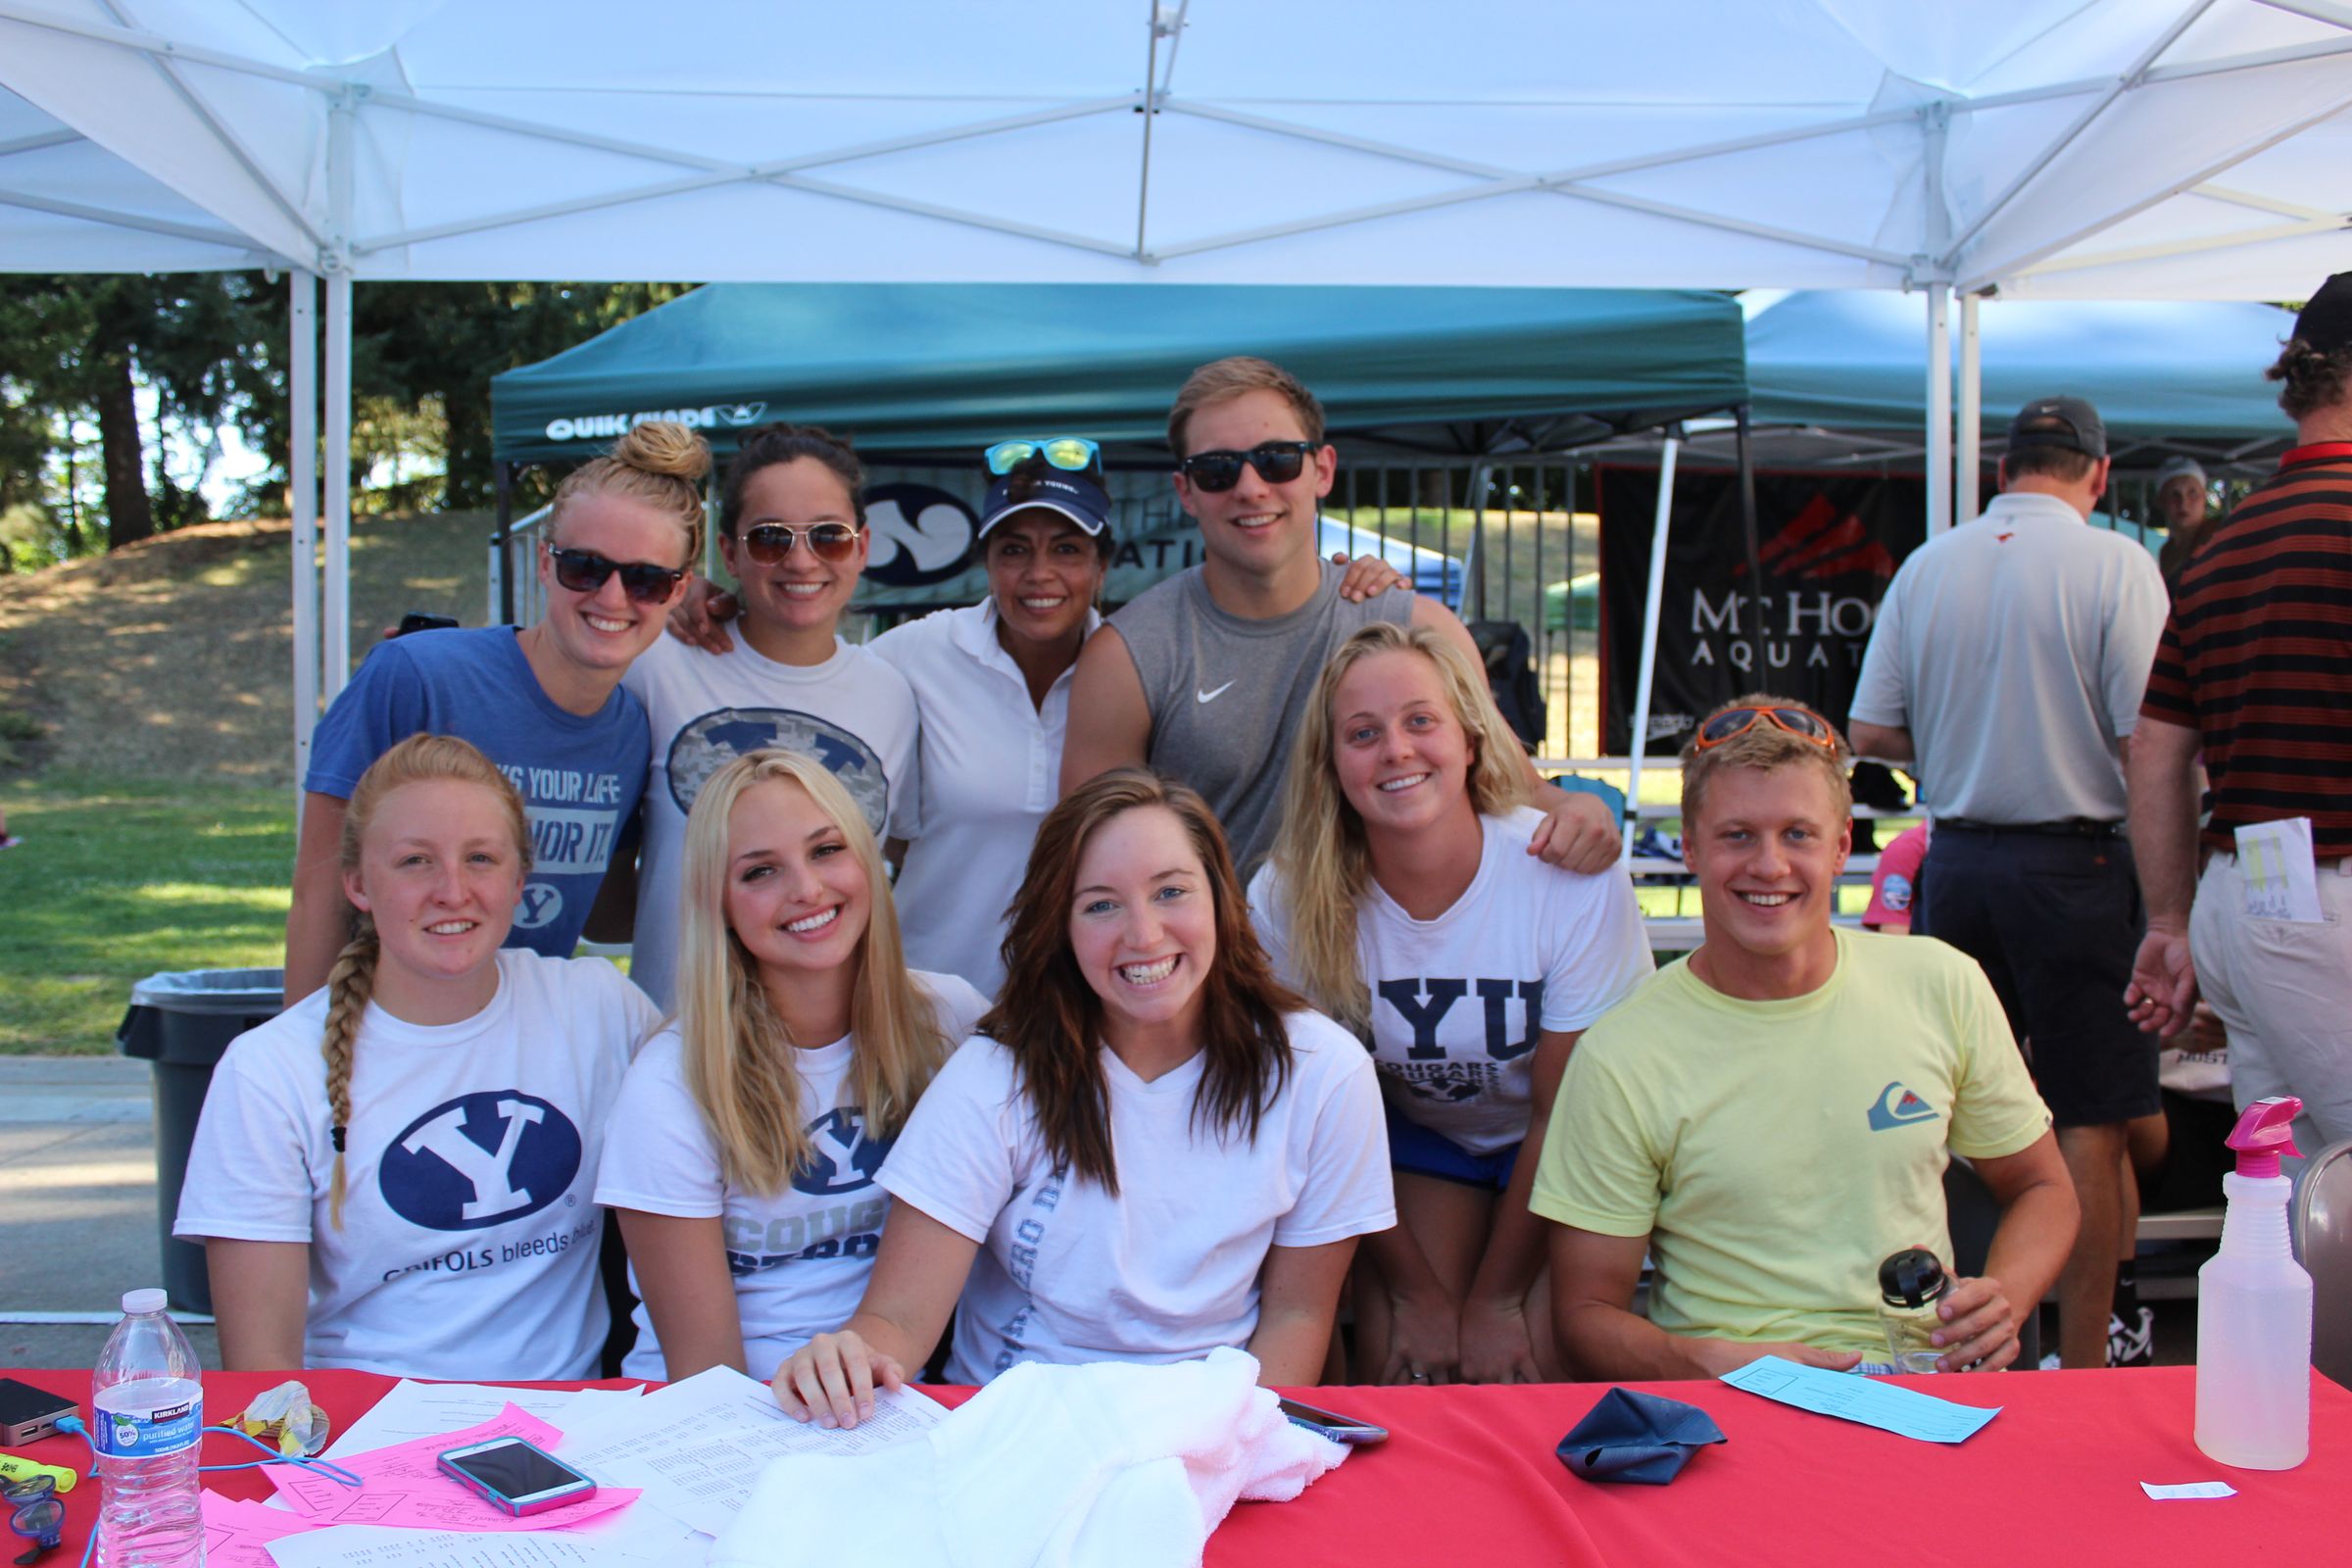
[(743, 1152), (1400, 898), (395, 1173)]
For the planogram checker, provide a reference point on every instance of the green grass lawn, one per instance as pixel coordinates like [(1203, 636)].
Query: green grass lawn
[(119, 878)]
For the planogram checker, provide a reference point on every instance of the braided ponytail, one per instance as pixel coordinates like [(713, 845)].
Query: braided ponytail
[(348, 984)]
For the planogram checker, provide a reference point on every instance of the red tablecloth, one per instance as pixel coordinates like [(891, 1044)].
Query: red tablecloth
[(1469, 1477)]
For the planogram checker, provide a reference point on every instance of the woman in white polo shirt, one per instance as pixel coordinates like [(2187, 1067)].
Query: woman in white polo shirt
[(992, 684)]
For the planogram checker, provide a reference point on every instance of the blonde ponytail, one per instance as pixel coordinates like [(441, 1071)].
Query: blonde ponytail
[(348, 984)]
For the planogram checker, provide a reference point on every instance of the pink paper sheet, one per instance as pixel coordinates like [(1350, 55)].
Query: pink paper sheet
[(404, 1486), (237, 1534)]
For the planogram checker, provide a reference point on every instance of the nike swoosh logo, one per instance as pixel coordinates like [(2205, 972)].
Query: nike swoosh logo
[(1199, 696)]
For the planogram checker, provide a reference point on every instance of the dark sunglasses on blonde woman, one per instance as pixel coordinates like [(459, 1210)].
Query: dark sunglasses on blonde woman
[(584, 572)]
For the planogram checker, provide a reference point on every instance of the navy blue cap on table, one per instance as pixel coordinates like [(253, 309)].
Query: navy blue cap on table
[(2069, 424), (1072, 495), (2325, 319)]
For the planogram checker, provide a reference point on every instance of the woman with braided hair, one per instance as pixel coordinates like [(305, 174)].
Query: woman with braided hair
[(396, 1173)]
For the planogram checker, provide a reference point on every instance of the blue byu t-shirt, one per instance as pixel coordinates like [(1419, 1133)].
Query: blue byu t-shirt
[(580, 777)]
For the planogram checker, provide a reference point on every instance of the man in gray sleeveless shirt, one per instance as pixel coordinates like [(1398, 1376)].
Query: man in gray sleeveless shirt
[(1206, 676)]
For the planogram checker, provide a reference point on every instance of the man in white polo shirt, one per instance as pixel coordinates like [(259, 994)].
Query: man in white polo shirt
[(2006, 666)]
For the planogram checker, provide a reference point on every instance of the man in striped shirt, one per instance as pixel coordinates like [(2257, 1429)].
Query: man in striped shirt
[(2255, 669)]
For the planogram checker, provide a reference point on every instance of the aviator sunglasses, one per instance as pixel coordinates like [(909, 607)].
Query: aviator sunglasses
[(1734, 722), (1073, 454), (768, 543), (1276, 463), (584, 572)]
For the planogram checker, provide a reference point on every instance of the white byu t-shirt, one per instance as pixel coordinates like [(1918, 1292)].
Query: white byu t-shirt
[(800, 1258), (1167, 1270), (853, 712), (1459, 1000), (470, 1235)]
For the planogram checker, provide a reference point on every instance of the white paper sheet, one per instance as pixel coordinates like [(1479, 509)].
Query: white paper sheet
[(2187, 1490), (696, 1447), (413, 1409), (369, 1547), (2281, 880)]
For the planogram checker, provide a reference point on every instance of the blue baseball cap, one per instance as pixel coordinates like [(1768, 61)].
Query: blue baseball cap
[(1072, 495)]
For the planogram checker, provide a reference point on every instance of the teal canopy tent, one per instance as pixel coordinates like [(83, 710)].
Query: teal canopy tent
[(946, 368), (2175, 375)]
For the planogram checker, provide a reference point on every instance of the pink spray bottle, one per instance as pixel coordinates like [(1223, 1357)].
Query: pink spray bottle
[(2254, 1309)]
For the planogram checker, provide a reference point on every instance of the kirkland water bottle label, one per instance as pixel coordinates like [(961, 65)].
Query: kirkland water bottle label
[(144, 1434)]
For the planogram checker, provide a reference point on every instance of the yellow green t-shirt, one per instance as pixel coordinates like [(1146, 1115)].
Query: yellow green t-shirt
[(1774, 1152)]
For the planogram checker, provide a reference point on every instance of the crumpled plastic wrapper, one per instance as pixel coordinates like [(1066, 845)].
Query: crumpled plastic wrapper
[(287, 1417)]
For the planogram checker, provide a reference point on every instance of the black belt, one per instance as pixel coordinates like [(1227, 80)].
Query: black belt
[(2073, 827)]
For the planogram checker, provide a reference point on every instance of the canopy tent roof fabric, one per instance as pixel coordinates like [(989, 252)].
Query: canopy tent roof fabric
[(2100, 148), (2155, 371), (952, 367)]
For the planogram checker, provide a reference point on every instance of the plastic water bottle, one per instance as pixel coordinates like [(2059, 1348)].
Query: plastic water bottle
[(146, 1422), (1912, 1284), (2254, 1309)]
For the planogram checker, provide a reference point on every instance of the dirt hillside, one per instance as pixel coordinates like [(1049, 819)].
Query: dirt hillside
[(174, 658)]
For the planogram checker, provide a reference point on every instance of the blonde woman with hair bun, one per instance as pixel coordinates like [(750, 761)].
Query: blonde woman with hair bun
[(1401, 901), (543, 702), (743, 1149), (395, 1174)]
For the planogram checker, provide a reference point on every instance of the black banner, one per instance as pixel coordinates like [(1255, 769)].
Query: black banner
[(1829, 543)]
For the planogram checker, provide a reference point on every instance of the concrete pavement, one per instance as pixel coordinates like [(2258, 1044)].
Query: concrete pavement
[(77, 1220)]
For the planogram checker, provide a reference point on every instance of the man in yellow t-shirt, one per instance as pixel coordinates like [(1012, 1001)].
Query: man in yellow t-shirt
[(1769, 1117)]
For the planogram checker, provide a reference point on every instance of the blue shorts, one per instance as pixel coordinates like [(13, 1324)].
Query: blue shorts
[(1414, 1149)]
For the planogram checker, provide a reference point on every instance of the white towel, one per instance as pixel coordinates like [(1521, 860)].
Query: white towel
[(1049, 1466)]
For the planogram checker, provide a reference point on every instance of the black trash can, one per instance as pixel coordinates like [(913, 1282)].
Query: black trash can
[(182, 1024)]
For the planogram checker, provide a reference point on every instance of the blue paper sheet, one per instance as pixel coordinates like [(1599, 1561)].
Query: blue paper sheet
[(1902, 1411)]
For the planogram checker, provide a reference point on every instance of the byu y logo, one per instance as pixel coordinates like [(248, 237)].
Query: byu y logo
[(841, 1157), (480, 1159), (1896, 1107), (540, 904)]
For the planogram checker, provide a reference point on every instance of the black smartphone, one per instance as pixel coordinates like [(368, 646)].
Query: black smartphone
[(1333, 1425), (418, 621), (516, 1477)]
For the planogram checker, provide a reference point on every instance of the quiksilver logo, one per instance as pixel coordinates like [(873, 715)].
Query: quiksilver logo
[(1897, 1107)]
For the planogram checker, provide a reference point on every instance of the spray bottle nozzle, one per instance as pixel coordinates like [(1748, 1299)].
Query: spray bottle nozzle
[(2265, 1134)]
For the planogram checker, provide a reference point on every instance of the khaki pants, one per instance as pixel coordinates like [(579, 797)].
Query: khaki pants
[(2285, 991)]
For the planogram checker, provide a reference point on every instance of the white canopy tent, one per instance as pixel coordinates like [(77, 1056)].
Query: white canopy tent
[(2057, 148)]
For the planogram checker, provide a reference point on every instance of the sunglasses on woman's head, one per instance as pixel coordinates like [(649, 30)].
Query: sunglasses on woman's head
[(1073, 454), (1276, 463), (1734, 722), (584, 572), (768, 543)]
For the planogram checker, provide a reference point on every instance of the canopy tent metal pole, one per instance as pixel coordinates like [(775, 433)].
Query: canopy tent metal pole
[(1653, 600), (302, 471), (1939, 407), (1747, 531), (335, 666), (501, 592), (1972, 412), (336, 611)]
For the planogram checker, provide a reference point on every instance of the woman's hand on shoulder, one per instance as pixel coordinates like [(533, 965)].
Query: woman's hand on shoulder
[(831, 1380)]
